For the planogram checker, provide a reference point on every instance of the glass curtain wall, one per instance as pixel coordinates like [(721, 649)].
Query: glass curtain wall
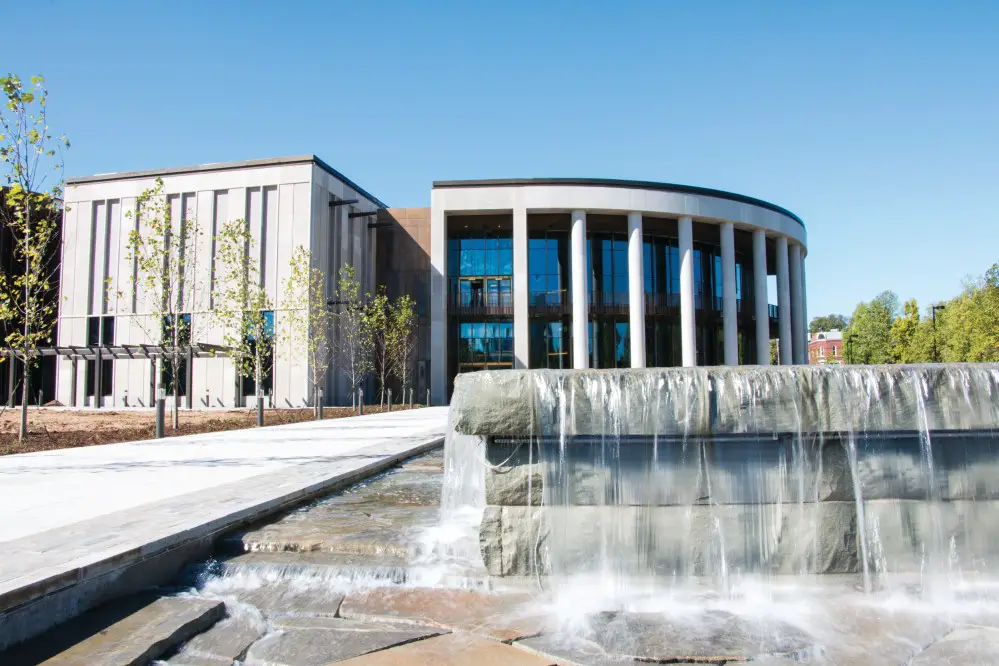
[(480, 279), (481, 271), (548, 282), (485, 345)]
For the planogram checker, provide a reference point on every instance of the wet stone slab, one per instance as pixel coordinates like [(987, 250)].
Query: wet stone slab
[(135, 630), (452, 650), (285, 598), (376, 517), (500, 616), (311, 641), (712, 637), (226, 642)]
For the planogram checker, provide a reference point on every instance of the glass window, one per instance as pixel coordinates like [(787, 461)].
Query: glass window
[(545, 269)]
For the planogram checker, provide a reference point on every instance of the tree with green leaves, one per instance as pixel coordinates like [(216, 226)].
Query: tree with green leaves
[(169, 301), (774, 352), (833, 322), (243, 310), (869, 331), (309, 322), (903, 334), (353, 342), (402, 324), (30, 158), (378, 322)]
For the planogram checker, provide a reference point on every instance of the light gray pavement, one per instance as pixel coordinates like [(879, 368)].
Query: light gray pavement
[(74, 521), (48, 489)]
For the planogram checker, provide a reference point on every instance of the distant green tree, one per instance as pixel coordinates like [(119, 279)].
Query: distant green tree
[(869, 331), (774, 353), (903, 334), (833, 322), (968, 326)]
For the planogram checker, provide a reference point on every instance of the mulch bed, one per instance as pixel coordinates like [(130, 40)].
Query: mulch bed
[(41, 439)]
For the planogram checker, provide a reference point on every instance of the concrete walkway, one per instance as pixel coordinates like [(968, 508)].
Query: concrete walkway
[(79, 526)]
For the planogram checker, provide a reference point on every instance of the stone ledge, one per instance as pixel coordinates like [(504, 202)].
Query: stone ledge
[(711, 401)]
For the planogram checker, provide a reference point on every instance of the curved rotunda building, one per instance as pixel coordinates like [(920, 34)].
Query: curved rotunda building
[(585, 273)]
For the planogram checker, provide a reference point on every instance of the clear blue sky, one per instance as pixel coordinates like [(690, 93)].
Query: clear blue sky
[(878, 123)]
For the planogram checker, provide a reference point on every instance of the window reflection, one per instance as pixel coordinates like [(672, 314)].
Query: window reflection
[(608, 275), (485, 345), (548, 269), (481, 271)]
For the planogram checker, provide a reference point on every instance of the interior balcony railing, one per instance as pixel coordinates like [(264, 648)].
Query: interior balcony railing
[(481, 297), (555, 302)]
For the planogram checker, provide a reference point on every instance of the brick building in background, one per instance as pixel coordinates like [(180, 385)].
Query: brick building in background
[(826, 348)]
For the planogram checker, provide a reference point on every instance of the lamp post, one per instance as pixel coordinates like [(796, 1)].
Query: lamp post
[(936, 352)]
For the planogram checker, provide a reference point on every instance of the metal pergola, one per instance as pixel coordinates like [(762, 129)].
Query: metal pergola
[(103, 352)]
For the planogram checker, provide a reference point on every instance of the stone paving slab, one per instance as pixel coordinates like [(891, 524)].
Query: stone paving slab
[(967, 646), (135, 631), (50, 576), (451, 650), (314, 641), (283, 599), (223, 643), (500, 616)]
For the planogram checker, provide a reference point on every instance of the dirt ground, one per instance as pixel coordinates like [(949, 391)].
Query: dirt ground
[(58, 428)]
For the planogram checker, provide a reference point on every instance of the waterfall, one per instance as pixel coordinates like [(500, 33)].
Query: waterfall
[(717, 474)]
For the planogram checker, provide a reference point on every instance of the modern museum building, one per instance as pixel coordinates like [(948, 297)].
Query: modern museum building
[(529, 273)]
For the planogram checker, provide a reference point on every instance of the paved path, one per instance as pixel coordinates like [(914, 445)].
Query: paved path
[(49, 489), (74, 522)]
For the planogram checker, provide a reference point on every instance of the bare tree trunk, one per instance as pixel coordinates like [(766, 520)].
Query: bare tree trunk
[(258, 377), (23, 427), (176, 390)]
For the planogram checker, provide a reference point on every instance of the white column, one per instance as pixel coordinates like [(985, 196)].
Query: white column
[(784, 303), (438, 303), (760, 297), (521, 318), (804, 305), (580, 295), (636, 290), (688, 330), (798, 346), (730, 313)]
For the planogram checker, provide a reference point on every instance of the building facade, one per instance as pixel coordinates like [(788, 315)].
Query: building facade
[(581, 273), (541, 273), (286, 202), (826, 348)]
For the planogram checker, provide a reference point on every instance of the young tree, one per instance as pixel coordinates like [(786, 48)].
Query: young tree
[(309, 320), (402, 323), (378, 322), (353, 340), (243, 309), (31, 161), (164, 248)]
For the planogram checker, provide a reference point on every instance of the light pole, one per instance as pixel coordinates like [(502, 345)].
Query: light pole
[(936, 352)]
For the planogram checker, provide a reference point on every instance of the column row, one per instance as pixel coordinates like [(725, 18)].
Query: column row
[(789, 264)]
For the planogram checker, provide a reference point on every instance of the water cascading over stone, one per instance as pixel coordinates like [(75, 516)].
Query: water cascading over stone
[(723, 471)]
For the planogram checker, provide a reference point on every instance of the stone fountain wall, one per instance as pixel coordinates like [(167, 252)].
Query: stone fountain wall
[(738, 470)]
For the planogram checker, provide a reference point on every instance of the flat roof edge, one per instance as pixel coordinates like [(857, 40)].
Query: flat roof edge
[(625, 184), (227, 166)]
